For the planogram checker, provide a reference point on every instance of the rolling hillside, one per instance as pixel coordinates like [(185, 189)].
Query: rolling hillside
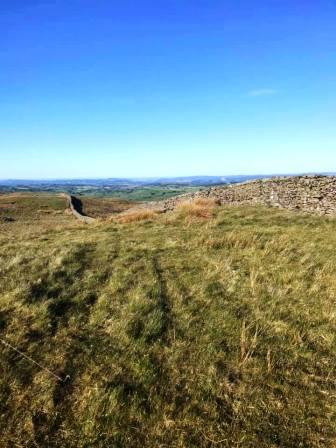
[(208, 326)]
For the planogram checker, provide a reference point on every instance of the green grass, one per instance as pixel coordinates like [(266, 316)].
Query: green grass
[(28, 206), (139, 193), (180, 332)]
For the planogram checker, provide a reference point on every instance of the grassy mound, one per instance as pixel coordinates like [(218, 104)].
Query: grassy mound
[(188, 330)]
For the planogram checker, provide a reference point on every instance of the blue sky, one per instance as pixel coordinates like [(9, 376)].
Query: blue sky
[(98, 88)]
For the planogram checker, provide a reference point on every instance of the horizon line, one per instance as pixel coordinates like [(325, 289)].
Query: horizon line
[(274, 174)]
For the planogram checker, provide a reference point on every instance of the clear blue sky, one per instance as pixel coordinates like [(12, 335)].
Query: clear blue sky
[(105, 88)]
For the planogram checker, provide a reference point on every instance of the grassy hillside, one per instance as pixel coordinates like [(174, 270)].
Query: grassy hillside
[(103, 207), (28, 207), (23, 214), (180, 331)]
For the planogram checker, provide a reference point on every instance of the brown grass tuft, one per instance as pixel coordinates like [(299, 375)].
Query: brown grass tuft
[(137, 215), (199, 208)]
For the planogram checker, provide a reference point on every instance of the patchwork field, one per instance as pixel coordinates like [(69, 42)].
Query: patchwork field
[(127, 192), (204, 327)]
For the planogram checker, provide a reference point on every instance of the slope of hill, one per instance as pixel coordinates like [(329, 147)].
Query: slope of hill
[(196, 328)]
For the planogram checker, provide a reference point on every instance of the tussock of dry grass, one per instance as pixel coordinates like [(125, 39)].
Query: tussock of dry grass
[(216, 333), (137, 215), (198, 208)]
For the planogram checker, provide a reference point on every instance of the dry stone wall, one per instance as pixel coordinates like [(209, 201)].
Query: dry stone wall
[(73, 204), (313, 194)]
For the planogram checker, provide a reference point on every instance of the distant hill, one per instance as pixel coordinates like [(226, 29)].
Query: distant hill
[(134, 182), (129, 189), (137, 189), (127, 182)]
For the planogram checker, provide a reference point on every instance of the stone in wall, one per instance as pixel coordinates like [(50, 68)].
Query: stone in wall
[(313, 194)]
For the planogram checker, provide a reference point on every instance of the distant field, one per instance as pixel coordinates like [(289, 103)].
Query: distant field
[(140, 193), (204, 327), (146, 193)]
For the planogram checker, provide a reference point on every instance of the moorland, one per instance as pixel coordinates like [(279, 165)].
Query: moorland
[(202, 327)]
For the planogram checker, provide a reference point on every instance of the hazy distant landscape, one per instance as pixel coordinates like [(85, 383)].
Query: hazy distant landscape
[(148, 189), (133, 189), (167, 224)]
